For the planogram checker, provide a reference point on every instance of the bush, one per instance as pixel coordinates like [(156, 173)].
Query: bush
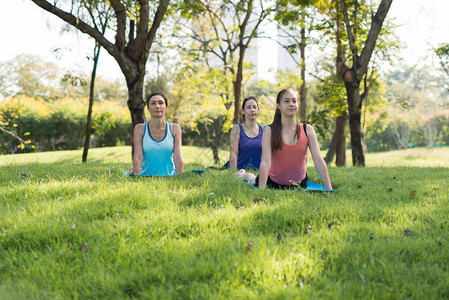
[(61, 124)]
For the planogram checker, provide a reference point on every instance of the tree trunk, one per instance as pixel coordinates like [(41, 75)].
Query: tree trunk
[(332, 147), (340, 132), (355, 124), (303, 91), (131, 46), (238, 84), (237, 97), (353, 76), (91, 102), (215, 153), (136, 105)]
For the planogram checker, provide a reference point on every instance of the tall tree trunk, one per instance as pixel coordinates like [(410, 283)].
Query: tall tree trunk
[(132, 44), (303, 91), (237, 97), (238, 84), (355, 124), (136, 106), (136, 103), (340, 132), (332, 148), (215, 154), (91, 102), (353, 76)]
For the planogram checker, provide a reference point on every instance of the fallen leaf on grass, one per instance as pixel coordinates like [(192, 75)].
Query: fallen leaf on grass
[(333, 223), (249, 246), (408, 232), (309, 230), (279, 238), (257, 200), (413, 193), (84, 247)]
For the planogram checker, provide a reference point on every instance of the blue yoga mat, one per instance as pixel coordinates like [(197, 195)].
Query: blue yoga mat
[(189, 171), (311, 186)]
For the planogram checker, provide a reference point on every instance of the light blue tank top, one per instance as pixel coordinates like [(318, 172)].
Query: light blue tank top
[(158, 155)]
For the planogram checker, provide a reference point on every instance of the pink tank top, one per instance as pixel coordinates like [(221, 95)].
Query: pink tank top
[(288, 165)]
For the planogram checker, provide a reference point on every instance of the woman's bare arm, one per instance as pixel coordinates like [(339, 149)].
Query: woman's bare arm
[(138, 150), (265, 163), (234, 145), (177, 151), (318, 160)]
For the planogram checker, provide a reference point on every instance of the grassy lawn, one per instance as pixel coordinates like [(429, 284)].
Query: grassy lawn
[(73, 230)]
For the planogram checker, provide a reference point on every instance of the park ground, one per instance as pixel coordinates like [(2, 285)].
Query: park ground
[(73, 230)]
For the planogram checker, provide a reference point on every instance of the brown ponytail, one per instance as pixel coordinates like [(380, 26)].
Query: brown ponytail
[(276, 126)]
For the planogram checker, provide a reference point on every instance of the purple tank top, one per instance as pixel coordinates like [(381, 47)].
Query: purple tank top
[(250, 150)]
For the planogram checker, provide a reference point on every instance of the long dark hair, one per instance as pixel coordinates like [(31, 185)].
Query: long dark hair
[(244, 102), (156, 94), (276, 126)]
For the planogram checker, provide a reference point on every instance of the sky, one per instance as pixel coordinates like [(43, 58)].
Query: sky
[(25, 28)]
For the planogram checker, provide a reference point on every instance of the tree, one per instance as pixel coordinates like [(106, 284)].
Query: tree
[(134, 31), (354, 75), (28, 75), (208, 114), (297, 17), (331, 93), (101, 13), (443, 55), (225, 30)]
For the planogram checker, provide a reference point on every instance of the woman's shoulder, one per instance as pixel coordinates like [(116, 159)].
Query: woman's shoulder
[(235, 128), (139, 127), (310, 131), (175, 127)]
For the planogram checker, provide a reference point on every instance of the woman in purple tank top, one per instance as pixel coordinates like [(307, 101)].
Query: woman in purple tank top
[(246, 138)]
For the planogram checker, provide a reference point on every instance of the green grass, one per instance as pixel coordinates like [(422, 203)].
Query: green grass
[(187, 236)]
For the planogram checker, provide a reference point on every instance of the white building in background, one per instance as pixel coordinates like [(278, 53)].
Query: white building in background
[(268, 56)]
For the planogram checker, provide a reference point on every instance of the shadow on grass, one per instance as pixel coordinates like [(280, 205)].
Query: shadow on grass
[(188, 236)]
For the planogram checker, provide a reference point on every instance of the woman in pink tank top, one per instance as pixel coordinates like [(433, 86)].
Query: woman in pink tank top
[(284, 149)]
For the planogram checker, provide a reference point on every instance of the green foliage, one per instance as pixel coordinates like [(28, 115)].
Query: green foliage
[(27, 75), (332, 93), (60, 125), (186, 237), (442, 53), (417, 111)]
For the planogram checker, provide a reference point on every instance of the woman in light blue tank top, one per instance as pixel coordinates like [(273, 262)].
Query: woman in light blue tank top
[(157, 144)]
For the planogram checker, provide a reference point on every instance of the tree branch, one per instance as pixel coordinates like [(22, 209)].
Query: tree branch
[(348, 28), (120, 13), (161, 10), (374, 31), (79, 24), (12, 134)]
